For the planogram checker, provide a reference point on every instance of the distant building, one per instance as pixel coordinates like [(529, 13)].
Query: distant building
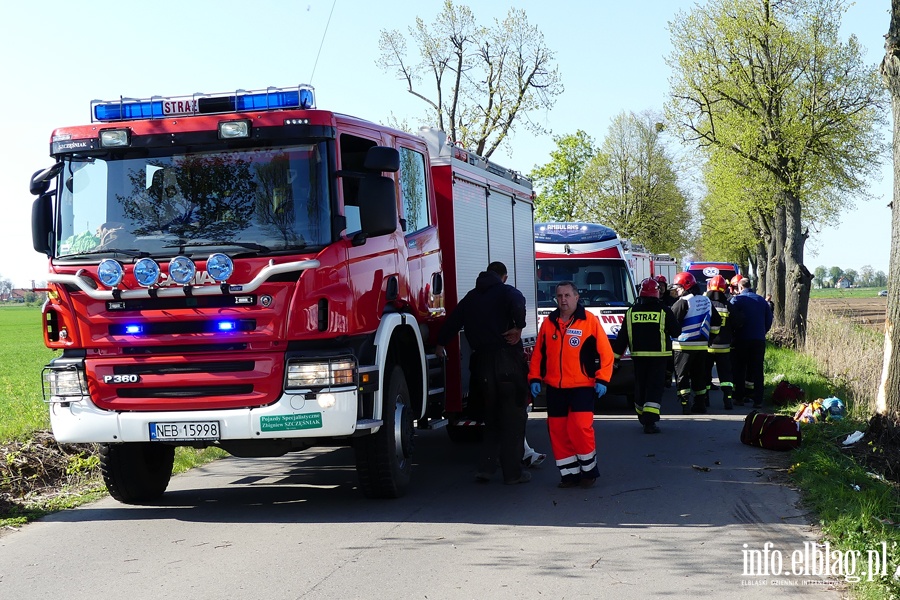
[(843, 282)]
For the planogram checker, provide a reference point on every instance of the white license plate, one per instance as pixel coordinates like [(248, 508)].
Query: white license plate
[(184, 431)]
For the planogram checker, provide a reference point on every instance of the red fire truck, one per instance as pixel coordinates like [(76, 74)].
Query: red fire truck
[(246, 271)]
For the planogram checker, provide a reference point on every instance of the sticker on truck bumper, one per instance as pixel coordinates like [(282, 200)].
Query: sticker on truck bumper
[(290, 422)]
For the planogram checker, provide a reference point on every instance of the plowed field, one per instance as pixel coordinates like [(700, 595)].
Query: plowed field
[(863, 311)]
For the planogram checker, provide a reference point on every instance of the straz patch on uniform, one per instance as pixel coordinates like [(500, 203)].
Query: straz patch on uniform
[(645, 317)]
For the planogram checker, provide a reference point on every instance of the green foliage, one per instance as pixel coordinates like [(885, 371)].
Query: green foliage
[(773, 85), (632, 186), (486, 80), (560, 182)]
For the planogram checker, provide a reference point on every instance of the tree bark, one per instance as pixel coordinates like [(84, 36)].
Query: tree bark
[(776, 271), (798, 280), (887, 399)]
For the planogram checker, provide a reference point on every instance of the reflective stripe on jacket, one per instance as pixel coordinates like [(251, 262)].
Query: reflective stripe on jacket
[(648, 329), (697, 317)]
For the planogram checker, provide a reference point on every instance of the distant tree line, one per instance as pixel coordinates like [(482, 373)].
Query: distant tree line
[(865, 277)]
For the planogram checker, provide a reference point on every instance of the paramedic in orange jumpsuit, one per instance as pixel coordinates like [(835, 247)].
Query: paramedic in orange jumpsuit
[(574, 359)]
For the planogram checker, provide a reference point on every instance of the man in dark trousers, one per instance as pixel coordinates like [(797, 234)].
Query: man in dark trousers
[(749, 350), (695, 313), (648, 330), (719, 355), (493, 316)]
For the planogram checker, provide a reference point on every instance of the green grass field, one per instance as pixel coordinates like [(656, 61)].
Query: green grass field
[(22, 356), (844, 293)]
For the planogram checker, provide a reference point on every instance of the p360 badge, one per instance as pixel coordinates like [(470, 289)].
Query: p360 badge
[(121, 379)]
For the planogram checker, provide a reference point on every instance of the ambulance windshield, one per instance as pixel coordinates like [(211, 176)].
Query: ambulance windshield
[(162, 203), (599, 283)]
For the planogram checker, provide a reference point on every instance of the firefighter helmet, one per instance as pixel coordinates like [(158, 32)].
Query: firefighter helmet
[(662, 279), (685, 280), (716, 284), (649, 288), (736, 280)]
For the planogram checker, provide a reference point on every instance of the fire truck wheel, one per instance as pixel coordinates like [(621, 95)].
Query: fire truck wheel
[(135, 473), (384, 459)]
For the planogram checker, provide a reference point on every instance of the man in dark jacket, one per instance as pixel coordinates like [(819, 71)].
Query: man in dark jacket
[(749, 349), (648, 330), (493, 316)]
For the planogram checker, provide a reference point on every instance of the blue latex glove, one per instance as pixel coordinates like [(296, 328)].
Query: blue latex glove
[(600, 389), (535, 389)]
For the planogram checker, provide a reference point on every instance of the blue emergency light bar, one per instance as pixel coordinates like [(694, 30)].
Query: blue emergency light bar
[(158, 107)]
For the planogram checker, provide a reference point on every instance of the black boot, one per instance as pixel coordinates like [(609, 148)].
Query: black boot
[(726, 399), (685, 409), (651, 428), (700, 404)]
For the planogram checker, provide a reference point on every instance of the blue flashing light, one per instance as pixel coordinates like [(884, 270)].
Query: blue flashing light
[(300, 97), (124, 110), (227, 326), (134, 329)]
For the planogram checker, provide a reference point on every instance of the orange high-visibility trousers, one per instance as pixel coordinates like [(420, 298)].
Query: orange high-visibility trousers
[(570, 420)]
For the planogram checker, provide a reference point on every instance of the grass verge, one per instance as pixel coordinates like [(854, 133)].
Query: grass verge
[(856, 510)]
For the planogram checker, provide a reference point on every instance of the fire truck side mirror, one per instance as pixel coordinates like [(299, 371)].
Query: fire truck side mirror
[(40, 181), (42, 223), (382, 158), (377, 205)]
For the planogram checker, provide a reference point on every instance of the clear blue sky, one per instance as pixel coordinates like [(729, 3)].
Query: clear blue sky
[(59, 55)]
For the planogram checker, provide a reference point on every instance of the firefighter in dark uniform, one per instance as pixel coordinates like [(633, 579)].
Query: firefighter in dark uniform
[(498, 369), (648, 330), (695, 313), (719, 353)]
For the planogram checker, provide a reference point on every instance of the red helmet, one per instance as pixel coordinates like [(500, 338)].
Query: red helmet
[(649, 288), (736, 280), (685, 280), (662, 279), (716, 284)]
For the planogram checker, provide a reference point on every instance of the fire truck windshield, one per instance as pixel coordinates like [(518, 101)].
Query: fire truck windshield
[(599, 283), (160, 203)]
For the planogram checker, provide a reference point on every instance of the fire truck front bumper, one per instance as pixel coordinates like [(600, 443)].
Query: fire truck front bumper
[(331, 414)]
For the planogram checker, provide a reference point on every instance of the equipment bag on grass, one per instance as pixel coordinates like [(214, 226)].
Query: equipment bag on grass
[(775, 432)]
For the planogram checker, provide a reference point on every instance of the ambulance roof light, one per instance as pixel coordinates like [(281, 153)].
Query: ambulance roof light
[(158, 107)]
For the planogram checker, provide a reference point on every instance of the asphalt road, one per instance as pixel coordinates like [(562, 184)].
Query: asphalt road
[(674, 515)]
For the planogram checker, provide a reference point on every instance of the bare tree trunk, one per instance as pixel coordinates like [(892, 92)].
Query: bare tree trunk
[(888, 398), (762, 267), (776, 270), (798, 278)]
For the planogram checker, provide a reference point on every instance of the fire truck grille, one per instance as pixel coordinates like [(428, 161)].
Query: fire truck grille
[(234, 366), (185, 392), (182, 349)]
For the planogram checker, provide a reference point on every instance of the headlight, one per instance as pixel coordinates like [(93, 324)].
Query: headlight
[(308, 374), (219, 267), (181, 270), (110, 272), (146, 272), (64, 382)]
